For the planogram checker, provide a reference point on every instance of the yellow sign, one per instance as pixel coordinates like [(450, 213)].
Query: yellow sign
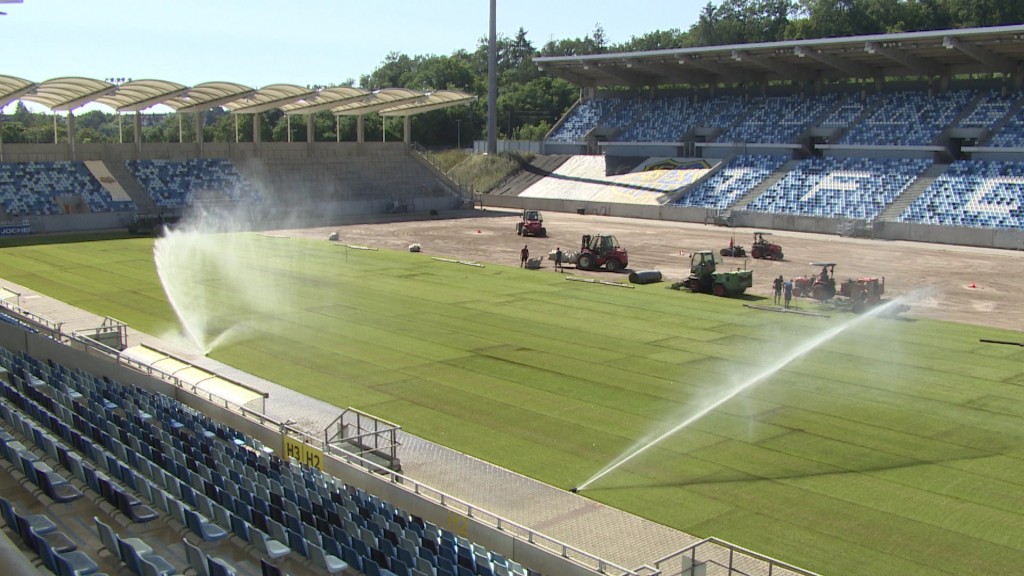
[(304, 453)]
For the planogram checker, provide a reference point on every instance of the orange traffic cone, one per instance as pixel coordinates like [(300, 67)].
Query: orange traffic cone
[(972, 285)]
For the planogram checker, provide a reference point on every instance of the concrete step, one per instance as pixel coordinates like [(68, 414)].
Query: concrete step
[(916, 188), (767, 183)]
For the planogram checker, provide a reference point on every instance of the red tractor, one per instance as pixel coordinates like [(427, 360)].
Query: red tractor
[(863, 292), (599, 251), (765, 249), (820, 286), (531, 223)]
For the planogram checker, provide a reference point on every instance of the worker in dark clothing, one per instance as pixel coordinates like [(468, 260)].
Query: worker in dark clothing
[(777, 287), (788, 288), (524, 255), (558, 258)]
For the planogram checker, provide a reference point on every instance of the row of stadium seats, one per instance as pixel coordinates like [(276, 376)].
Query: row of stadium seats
[(738, 177), (907, 118), (840, 187), (778, 119), (903, 118), (44, 188), (177, 184), (218, 484), (1011, 135), (979, 194), (982, 194), (41, 188), (585, 117)]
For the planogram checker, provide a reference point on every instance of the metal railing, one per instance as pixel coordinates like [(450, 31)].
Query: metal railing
[(464, 190), (366, 434), (725, 558)]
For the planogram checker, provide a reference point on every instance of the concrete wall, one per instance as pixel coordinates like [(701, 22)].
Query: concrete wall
[(651, 150), (530, 146), (845, 151), (80, 222), (1006, 239)]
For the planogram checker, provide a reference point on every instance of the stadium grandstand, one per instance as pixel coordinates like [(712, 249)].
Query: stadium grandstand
[(914, 136)]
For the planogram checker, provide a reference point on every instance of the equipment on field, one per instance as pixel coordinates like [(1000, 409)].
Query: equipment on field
[(705, 276), (765, 249), (597, 251), (531, 223), (820, 286), (863, 292), (644, 276), (734, 250)]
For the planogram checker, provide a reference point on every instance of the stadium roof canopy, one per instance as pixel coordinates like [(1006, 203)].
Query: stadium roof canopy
[(67, 94), (941, 53)]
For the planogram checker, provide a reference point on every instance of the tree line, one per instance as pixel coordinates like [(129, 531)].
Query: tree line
[(530, 101)]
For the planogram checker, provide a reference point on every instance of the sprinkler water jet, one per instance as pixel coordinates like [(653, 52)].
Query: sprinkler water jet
[(762, 375)]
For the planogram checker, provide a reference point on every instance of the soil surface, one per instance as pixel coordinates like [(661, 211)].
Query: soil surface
[(957, 283)]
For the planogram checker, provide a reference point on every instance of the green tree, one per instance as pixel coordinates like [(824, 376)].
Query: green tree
[(594, 43), (543, 99), (89, 135), (742, 22), (13, 133), (657, 40)]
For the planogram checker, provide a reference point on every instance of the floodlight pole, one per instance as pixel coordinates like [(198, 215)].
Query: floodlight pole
[(492, 82)]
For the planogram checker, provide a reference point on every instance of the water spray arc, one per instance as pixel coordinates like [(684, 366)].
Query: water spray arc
[(213, 281), (757, 378)]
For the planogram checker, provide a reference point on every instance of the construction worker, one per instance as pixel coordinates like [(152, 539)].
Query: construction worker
[(524, 255), (558, 258), (777, 287), (788, 288)]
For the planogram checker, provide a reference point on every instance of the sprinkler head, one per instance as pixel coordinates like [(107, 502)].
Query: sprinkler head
[(574, 489)]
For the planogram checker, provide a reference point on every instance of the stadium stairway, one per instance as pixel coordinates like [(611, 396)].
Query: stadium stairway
[(900, 204), (998, 126), (768, 182), (131, 186), (615, 535)]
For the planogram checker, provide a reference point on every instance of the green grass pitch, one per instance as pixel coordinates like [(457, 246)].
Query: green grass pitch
[(895, 448)]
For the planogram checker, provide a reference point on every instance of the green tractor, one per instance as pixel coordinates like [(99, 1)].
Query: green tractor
[(705, 277)]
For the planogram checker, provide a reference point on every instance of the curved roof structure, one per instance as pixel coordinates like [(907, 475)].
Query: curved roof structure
[(13, 88), (64, 94), (208, 95), (270, 98), (931, 53), (428, 102), (326, 99), (141, 94), (376, 101)]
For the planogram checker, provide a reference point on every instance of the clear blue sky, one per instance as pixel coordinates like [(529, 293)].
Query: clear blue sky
[(259, 42)]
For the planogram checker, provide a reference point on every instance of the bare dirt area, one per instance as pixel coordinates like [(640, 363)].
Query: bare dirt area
[(961, 284)]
